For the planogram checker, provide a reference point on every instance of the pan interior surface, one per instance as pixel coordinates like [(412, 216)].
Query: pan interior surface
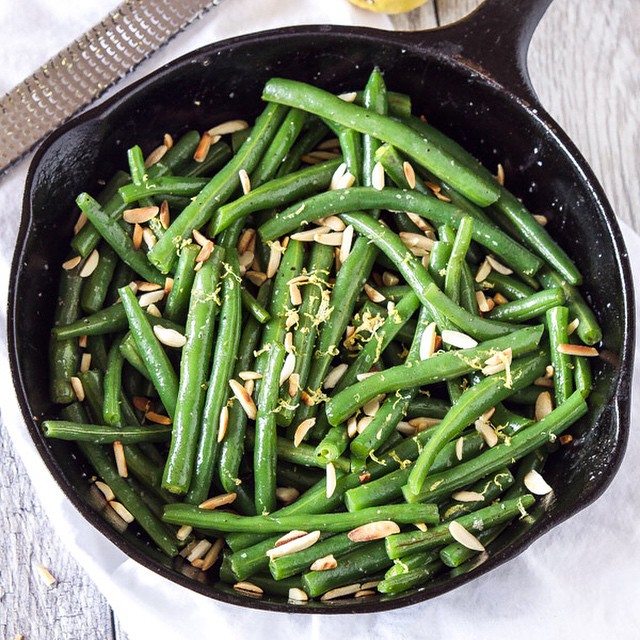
[(225, 81)]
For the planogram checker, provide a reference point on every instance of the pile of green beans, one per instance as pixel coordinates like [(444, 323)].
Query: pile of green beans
[(306, 359)]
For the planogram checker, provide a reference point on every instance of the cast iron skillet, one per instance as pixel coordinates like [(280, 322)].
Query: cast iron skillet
[(471, 80)]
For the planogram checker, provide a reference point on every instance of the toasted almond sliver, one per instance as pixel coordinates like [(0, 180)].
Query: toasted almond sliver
[(290, 536), (541, 220), (244, 399), (203, 147), (390, 279), (348, 97), (498, 266), (78, 389), (467, 496), (334, 223), (352, 426), (248, 587), (424, 422), (373, 531), (458, 339), (373, 294), (459, 447), (155, 156), (230, 126), (249, 375), (218, 501), (287, 495), (184, 532), (409, 174), (309, 234), (294, 385), (294, 294), (406, 429), (157, 418), (201, 548), (483, 304), (122, 511), (377, 176), (333, 239), (363, 423), (250, 385), (287, 368), (573, 325), (256, 277), (80, 222), (121, 461), (137, 236), (149, 237), (151, 297), (500, 174), (45, 575), (331, 479), (141, 403), (371, 408), (544, 405), (152, 310), (169, 337), (105, 489), (200, 238), (302, 429), (223, 423), (578, 350), (213, 554), (245, 181), (297, 595), (363, 376), (205, 252), (337, 176), (85, 362), (483, 271), (536, 484), (416, 241), (340, 592), (90, 264), (71, 263), (275, 255), (544, 382), (464, 537), (346, 182), (299, 544), (428, 341), (347, 241), (488, 434), (422, 224), (324, 564), (140, 215)]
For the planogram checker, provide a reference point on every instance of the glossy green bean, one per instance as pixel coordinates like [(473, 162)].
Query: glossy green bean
[(96, 286), (528, 308), (453, 276), (104, 434), (557, 323)]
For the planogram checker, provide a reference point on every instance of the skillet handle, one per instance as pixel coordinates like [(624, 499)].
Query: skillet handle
[(494, 39)]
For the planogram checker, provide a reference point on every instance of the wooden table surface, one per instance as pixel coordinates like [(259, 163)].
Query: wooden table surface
[(584, 65)]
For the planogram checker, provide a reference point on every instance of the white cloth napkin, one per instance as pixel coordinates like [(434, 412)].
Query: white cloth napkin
[(578, 581)]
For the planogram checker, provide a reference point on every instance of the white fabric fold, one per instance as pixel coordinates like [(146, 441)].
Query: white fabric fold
[(578, 581)]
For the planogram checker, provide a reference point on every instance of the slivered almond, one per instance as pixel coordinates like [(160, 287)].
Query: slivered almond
[(483, 272), (337, 176), (373, 294), (168, 284), (201, 548), (149, 237), (548, 371), (340, 592), (202, 150), (155, 156), (372, 407), (169, 337), (289, 537), (85, 362), (331, 143), (223, 423), (246, 239), (428, 341), (483, 304), (122, 511), (348, 97), (287, 495), (373, 531), (140, 215), (498, 298), (275, 255), (167, 140), (151, 297), (309, 234), (293, 546), (294, 294), (250, 385), (488, 434), (330, 479), (459, 447), (294, 385), (105, 489), (141, 403), (297, 595), (573, 325), (422, 224), (565, 438), (230, 126), (143, 287), (200, 238), (498, 266), (244, 399), (205, 252), (458, 339), (346, 182), (352, 426), (424, 422), (377, 176), (213, 554), (544, 405), (536, 484), (82, 342), (409, 174), (137, 236), (500, 174), (307, 400), (467, 496), (287, 368), (347, 241), (541, 220), (218, 501), (80, 222), (324, 564), (184, 532), (78, 389), (406, 429), (45, 575), (256, 277), (363, 423), (316, 157), (464, 537), (334, 223), (302, 429), (152, 310), (157, 418), (332, 239), (578, 350), (416, 240), (363, 376), (245, 181), (249, 375), (248, 588), (544, 382), (390, 279), (90, 264), (121, 461), (71, 263)]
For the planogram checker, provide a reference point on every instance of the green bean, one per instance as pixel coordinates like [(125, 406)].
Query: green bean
[(334, 444), (508, 422), (459, 249), (402, 544), (520, 444), (508, 286), (411, 562), (402, 582), (583, 378), (297, 476), (164, 186), (276, 193), (440, 367), (254, 307), (528, 308), (468, 300), (161, 371), (219, 189), (96, 286), (178, 474), (104, 434), (232, 447), (118, 239), (265, 448), (363, 562), (588, 329), (111, 411), (226, 348), (324, 104), (177, 302), (223, 521), (438, 260), (375, 99), (64, 354), (427, 406), (351, 147), (316, 130), (399, 104), (219, 154), (97, 348), (557, 323)]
